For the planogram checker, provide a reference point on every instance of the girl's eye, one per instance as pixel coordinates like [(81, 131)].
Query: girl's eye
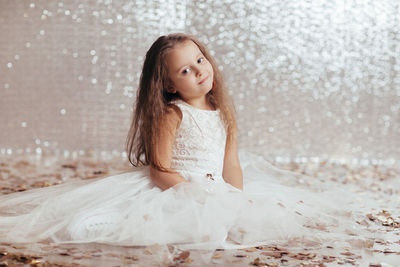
[(200, 60), (187, 70)]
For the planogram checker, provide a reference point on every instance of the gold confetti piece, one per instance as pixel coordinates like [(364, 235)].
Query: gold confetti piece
[(275, 254), (133, 257), (388, 251), (347, 253), (64, 254), (21, 163), (363, 222), (328, 258), (35, 262), (280, 204), (70, 166), (21, 187), (240, 256), (217, 256), (182, 256), (40, 184), (251, 249), (258, 262), (189, 260), (369, 243), (384, 213), (18, 247), (241, 230)]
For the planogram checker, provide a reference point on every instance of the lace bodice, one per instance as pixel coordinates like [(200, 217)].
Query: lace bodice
[(199, 148)]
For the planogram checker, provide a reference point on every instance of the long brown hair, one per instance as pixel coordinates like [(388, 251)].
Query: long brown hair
[(153, 99)]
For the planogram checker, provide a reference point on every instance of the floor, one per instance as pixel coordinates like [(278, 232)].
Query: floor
[(19, 173)]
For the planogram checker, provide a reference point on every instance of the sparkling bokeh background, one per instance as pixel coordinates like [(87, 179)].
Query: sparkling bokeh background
[(311, 80)]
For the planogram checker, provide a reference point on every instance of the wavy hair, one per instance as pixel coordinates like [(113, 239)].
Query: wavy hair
[(153, 100)]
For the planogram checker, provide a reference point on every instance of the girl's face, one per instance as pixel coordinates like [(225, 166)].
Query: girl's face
[(191, 73)]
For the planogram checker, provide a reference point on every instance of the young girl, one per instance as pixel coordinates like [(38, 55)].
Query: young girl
[(187, 188), (179, 70)]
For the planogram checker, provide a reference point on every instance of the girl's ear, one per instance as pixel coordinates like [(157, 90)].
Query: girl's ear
[(171, 90)]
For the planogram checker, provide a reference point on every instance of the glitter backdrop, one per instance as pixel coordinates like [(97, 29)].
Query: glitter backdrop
[(311, 80)]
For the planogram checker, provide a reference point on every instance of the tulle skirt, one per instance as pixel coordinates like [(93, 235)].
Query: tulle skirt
[(275, 206)]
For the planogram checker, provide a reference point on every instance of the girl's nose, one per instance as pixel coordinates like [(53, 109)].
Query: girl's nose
[(199, 71)]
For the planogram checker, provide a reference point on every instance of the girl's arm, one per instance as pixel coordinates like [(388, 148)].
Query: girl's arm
[(170, 123), (232, 172)]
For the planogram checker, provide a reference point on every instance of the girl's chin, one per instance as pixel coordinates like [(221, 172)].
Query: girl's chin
[(209, 86), (208, 89)]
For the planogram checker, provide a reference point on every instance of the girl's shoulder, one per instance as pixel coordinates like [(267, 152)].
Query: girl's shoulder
[(178, 104), (173, 115), (178, 107)]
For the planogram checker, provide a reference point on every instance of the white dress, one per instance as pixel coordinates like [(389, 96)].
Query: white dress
[(204, 213)]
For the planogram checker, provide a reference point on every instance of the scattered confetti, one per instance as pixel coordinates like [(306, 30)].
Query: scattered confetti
[(22, 174)]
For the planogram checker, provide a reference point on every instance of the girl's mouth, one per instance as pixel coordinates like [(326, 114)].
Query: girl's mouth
[(202, 81)]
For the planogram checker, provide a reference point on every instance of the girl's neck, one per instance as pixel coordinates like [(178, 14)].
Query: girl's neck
[(199, 103)]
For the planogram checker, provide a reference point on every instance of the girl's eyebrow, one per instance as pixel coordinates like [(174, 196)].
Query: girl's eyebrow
[(199, 54)]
